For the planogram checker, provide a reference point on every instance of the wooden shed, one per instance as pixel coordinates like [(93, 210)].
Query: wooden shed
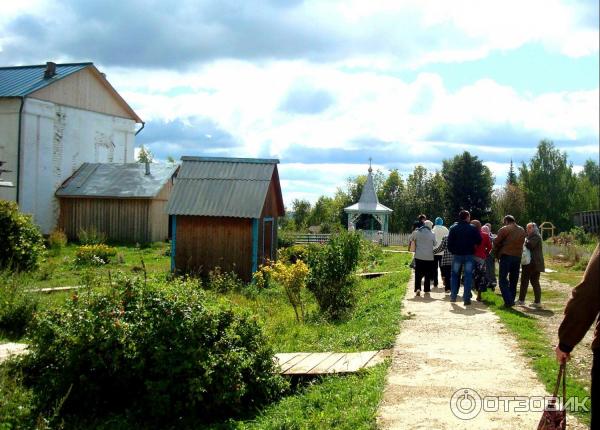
[(127, 202), (224, 214)]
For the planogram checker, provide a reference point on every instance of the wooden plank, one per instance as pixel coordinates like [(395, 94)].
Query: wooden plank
[(297, 359), (378, 358), (353, 362), (306, 365), (326, 364), (283, 357)]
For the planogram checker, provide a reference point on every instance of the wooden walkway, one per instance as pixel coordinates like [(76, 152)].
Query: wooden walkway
[(369, 275), (8, 350), (322, 363)]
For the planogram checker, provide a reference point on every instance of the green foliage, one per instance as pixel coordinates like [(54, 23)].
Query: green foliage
[(285, 238), (145, 155), (508, 200), (95, 255), (301, 210), (576, 235), (221, 282), (548, 174), (165, 353), (21, 243), (17, 307), (331, 273), (91, 236), (294, 253), (371, 255), (468, 186), (57, 240), (15, 401), (292, 277)]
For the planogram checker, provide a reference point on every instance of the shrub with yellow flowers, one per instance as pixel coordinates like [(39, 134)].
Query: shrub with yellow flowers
[(292, 277)]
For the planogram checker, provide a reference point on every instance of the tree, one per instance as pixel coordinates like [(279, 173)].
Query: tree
[(468, 186), (511, 179), (549, 184), (145, 155), (301, 209), (591, 171), (393, 195), (508, 200)]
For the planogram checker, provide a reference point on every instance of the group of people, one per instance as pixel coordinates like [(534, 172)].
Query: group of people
[(467, 252)]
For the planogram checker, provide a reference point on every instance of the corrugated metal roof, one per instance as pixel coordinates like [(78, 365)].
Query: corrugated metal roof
[(117, 180), (20, 81), (234, 187)]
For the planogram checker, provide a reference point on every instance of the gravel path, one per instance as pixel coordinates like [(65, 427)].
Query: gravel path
[(445, 347)]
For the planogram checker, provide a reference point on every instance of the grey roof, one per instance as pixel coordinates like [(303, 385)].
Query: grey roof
[(223, 187), (368, 202), (117, 180), (20, 81)]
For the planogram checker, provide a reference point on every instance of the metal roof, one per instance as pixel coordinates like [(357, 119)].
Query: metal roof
[(20, 81), (223, 187), (368, 202), (117, 180)]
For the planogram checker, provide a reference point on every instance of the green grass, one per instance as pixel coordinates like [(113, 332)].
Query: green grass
[(536, 347), (341, 402), (345, 402), (59, 269), (372, 324)]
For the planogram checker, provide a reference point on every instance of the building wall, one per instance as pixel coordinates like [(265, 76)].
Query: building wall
[(122, 220), (83, 90), (9, 132), (56, 140), (203, 243), (158, 217)]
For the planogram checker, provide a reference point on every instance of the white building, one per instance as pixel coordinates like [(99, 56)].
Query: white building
[(54, 118)]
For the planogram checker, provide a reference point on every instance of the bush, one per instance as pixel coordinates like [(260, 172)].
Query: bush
[(95, 255), (285, 238), (370, 254), (331, 272), (21, 243), (161, 352), (262, 277), (57, 240), (294, 253), (15, 401), (292, 277), (222, 282), (91, 236), (17, 307)]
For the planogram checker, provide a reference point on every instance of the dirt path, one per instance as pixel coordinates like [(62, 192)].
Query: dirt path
[(445, 347)]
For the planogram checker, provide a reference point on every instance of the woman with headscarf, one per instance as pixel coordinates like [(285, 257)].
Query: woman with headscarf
[(424, 243), (531, 272), (490, 267)]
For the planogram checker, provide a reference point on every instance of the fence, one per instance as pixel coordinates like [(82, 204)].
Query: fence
[(385, 239), (590, 221)]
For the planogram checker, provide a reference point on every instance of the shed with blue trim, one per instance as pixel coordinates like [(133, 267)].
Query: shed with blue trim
[(224, 214)]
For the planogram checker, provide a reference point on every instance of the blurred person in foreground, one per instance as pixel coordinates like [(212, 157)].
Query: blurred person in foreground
[(580, 313)]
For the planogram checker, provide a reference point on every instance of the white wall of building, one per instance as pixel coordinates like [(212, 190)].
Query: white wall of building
[(9, 131), (56, 141)]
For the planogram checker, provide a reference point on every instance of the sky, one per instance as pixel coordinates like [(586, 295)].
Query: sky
[(325, 85)]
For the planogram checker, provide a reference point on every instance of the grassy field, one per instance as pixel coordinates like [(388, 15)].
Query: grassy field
[(346, 402)]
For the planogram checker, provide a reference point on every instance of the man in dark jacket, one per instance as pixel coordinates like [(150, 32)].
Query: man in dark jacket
[(581, 311), (508, 247), (462, 239)]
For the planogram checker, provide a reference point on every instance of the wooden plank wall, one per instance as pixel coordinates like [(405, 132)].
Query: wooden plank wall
[(83, 90), (122, 220), (158, 218), (203, 243)]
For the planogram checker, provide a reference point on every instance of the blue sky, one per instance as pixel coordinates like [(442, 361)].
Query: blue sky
[(324, 85)]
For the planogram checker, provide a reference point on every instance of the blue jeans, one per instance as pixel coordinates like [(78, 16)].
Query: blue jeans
[(457, 262), (509, 278)]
